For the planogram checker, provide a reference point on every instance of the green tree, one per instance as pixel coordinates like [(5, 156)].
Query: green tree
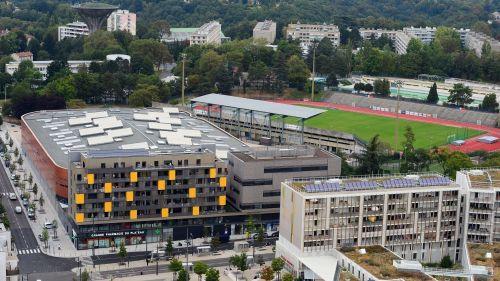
[(155, 51), (169, 248), (277, 265), (215, 242), (20, 161), (288, 277), (175, 266), (433, 97), (45, 237), (267, 273), (183, 275), (16, 152), (358, 87), (99, 44), (200, 268), (382, 87), (447, 39), (63, 87), (446, 262), (409, 140), (455, 162), (122, 253), (460, 95), (490, 102), (160, 29), (260, 235), (297, 72), (85, 275), (240, 262), (41, 201), (212, 275), (371, 160), (144, 96)]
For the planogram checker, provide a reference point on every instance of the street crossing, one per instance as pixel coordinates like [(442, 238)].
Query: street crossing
[(29, 251)]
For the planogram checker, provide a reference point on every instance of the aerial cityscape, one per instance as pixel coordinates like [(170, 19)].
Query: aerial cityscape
[(265, 140)]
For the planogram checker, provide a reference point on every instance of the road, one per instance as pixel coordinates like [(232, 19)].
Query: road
[(151, 269), (31, 259)]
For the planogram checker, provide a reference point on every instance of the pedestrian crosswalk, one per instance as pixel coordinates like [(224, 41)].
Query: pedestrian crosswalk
[(29, 251)]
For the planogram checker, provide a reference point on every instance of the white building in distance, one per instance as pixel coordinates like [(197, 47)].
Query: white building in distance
[(309, 33), (398, 37), (265, 30), (208, 33), (22, 56), (122, 20), (475, 40), (72, 30)]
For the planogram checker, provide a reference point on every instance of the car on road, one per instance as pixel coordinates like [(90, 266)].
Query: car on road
[(12, 177), (18, 210), (31, 214), (25, 202), (12, 196), (275, 234), (48, 225)]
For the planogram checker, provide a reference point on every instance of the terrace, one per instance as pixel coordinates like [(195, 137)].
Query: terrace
[(318, 185), (484, 178), (477, 256), (379, 262)]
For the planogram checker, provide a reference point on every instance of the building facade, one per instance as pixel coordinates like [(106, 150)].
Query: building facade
[(22, 56), (475, 40), (208, 33), (256, 176), (307, 34), (41, 66), (399, 38), (416, 216), (265, 30), (122, 20), (72, 30), (427, 34)]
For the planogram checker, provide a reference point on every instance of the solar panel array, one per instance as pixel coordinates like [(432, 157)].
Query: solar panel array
[(368, 185)]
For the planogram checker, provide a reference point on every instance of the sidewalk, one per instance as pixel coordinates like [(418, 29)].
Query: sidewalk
[(63, 246), (135, 268)]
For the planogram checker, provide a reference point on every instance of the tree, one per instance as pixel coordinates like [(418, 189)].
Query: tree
[(169, 248), (99, 44), (409, 140), (63, 87), (54, 227), (267, 273), (212, 275), (490, 102), (455, 162), (288, 277), (30, 179), (175, 266), (358, 87), (155, 51), (331, 80), (122, 253), (447, 39), (20, 161), (433, 97), (85, 275), (183, 275), (11, 143), (297, 72), (41, 201), (382, 87), (161, 28), (239, 261), (16, 152), (45, 237), (446, 262), (215, 242), (371, 160), (460, 95), (260, 235), (143, 97), (200, 268), (277, 265)]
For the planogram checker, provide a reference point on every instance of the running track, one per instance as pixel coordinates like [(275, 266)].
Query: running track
[(470, 144)]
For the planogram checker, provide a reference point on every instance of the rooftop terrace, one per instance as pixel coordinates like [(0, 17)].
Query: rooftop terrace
[(319, 185), (378, 261), (156, 129), (487, 178), (477, 256)]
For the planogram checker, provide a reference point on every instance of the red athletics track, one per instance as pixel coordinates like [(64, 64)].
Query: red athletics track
[(469, 146)]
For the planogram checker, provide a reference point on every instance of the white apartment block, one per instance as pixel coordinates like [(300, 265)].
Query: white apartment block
[(41, 66), (475, 41), (427, 34), (307, 34), (265, 30), (122, 20), (72, 30), (208, 33), (399, 38)]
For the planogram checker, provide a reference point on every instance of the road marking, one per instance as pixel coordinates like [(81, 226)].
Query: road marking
[(29, 251)]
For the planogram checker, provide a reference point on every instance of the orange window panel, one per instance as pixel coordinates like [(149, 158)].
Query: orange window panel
[(161, 184), (213, 173), (192, 192), (79, 217), (129, 196), (133, 176), (108, 206), (171, 175), (223, 181), (196, 210), (80, 198), (90, 179), (222, 200), (133, 214), (108, 187), (164, 212)]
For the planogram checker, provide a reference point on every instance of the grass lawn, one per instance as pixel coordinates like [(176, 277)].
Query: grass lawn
[(365, 126)]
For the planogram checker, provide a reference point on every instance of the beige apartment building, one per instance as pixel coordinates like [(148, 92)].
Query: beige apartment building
[(265, 30), (208, 33), (307, 34)]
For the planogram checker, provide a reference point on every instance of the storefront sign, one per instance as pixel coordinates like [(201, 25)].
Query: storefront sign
[(117, 233)]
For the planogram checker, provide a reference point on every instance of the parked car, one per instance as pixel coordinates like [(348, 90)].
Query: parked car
[(31, 214), (18, 210), (25, 202), (275, 234), (12, 196), (48, 225)]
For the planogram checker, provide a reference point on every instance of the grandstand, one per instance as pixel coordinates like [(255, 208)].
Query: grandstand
[(432, 111)]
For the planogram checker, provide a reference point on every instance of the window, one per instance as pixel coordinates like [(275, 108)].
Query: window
[(103, 165), (115, 165), (78, 177), (198, 161), (295, 169), (271, 193), (186, 162), (156, 163), (253, 182)]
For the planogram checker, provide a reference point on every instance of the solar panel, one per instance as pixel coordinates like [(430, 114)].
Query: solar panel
[(111, 125), (159, 126), (172, 110), (125, 132), (98, 114), (100, 140), (169, 120), (190, 133), (90, 131), (144, 117), (434, 181), (137, 145), (158, 115), (104, 120), (79, 121)]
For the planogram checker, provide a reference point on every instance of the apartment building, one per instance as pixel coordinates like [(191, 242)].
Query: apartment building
[(398, 37), (22, 56), (208, 33), (256, 175), (475, 41), (482, 204), (122, 20), (41, 66), (265, 30), (309, 33), (415, 216), (72, 30), (427, 34), (142, 193)]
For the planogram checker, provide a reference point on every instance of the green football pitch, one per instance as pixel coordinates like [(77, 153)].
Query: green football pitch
[(366, 126)]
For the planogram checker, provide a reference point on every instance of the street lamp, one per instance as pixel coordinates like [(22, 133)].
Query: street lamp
[(183, 55), (313, 71)]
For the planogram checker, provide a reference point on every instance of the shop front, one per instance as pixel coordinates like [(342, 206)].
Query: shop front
[(111, 239)]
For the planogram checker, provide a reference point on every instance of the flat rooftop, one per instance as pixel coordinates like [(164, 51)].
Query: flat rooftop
[(378, 261), (156, 129), (329, 185), (477, 256), (487, 178), (281, 152)]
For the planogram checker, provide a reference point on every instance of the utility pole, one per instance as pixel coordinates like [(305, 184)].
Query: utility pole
[(314, 71), (157, 258), (183, 55), (396, 135)]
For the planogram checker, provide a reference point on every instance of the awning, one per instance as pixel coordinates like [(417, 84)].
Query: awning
[(324, 267)]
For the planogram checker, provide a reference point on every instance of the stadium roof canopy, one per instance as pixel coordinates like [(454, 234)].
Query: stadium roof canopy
[(258, 105)]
